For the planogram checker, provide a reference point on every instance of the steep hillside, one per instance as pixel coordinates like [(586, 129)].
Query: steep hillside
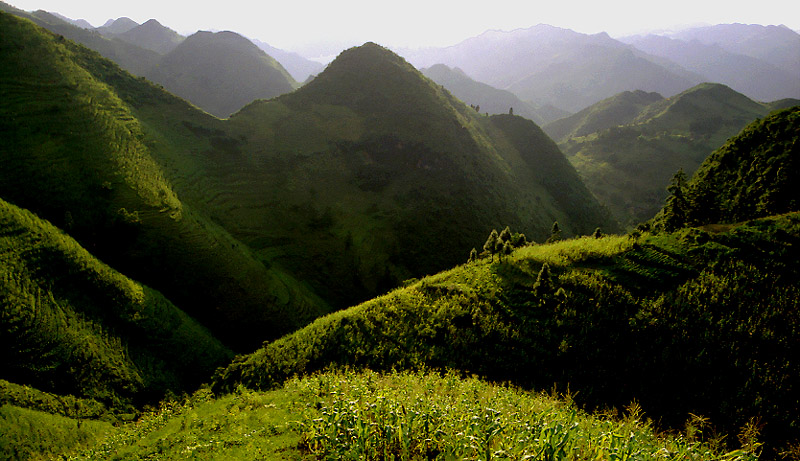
[(220, 72), (130, 57), (76, 153), (754, 174), (71, 325), (691, 322), (374, 165), (628, 167), (486, 98), (751, 76), (152, 36), (551, 66), (620, 109)]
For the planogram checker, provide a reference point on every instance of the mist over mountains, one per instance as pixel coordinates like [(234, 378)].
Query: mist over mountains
[(210, 247)]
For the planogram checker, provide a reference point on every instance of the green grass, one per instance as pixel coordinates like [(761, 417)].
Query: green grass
[(628, 160), (402, 416), (73, 325), (659, 319)]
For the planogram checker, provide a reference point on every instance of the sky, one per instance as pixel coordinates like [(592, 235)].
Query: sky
[(314, 27)]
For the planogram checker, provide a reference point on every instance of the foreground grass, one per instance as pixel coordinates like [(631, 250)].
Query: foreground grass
[(406, 415)]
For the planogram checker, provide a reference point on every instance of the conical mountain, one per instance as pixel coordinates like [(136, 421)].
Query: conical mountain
[(117, 26), (85, 146), (629, 166), (378, 166), (152, 36), (220, 72)]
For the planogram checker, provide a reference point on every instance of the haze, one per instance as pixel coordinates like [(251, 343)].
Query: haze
[(323, 27)]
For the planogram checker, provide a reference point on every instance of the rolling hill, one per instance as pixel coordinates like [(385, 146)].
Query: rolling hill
[(628, 161), (299, 67)]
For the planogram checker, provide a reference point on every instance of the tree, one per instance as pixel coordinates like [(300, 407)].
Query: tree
[(505, 235), (510, 111), (473, 255), (491, 244), (597, 233), (677, 207), (544, 282), (508, 248), (555, 233)]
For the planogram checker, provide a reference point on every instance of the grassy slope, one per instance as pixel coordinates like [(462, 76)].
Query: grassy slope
[(378, 163), (128, 56), (76, 153), (73, 325), (628, 167), (658, 320), (620, 109), (404, 416), (753, 174)]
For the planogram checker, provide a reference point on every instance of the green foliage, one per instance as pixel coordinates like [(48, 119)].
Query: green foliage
[(753, 175), (626, 148), (675, 214), (623, 319), (403, 416), (72, 325), (34, 435)]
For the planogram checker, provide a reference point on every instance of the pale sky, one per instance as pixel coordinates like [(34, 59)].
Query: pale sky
[(300, 25)]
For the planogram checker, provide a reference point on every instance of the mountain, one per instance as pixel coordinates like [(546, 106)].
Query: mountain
[(117, 26), (629, 166), (613, 318), (74, 326), (85, 147), (152, 36), (130, 57), (754, 77), (82, 23), (560, 67), (299, 67), (752, 175), (617, 110), (777, 45), (220, 72), (485, 97)]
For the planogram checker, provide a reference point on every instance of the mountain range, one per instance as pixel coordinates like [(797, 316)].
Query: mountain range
[(627, 147), (307, 257)]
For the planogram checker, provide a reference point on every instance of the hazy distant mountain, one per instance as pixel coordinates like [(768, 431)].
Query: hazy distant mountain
[(488, 98), (117, 26), (152, 36), (82, 23), (221, 72), (752, 76), (130, 57), (777, 45), (628, 166), (549, 65), (299, 67)]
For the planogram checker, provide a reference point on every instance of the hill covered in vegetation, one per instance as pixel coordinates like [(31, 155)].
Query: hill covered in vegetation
[(626, 149)]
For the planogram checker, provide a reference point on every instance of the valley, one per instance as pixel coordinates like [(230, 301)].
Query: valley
[(214, 248)]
